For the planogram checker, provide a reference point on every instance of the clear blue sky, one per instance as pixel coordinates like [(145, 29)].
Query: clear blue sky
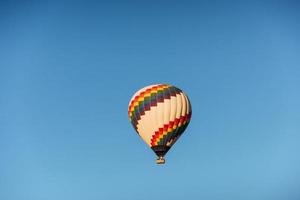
[(69, 69)]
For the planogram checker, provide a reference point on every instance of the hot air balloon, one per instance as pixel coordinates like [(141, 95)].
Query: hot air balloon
[(160, 113)]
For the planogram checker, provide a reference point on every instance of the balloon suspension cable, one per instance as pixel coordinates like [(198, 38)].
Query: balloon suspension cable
[(160, 160)]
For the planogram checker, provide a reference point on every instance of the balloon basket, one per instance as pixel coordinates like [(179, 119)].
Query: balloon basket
[(160, 161)]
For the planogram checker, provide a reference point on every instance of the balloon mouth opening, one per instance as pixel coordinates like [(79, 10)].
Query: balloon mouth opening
[(160, 150), (160, 161)]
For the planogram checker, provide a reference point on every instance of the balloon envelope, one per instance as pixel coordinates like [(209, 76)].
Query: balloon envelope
[(160, 113)]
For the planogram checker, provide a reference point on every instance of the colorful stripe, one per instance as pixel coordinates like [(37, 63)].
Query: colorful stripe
[(144, 94), (149, 98), (171, 131)]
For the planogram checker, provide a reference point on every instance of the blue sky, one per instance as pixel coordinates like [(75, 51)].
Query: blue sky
[(68, 70)]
